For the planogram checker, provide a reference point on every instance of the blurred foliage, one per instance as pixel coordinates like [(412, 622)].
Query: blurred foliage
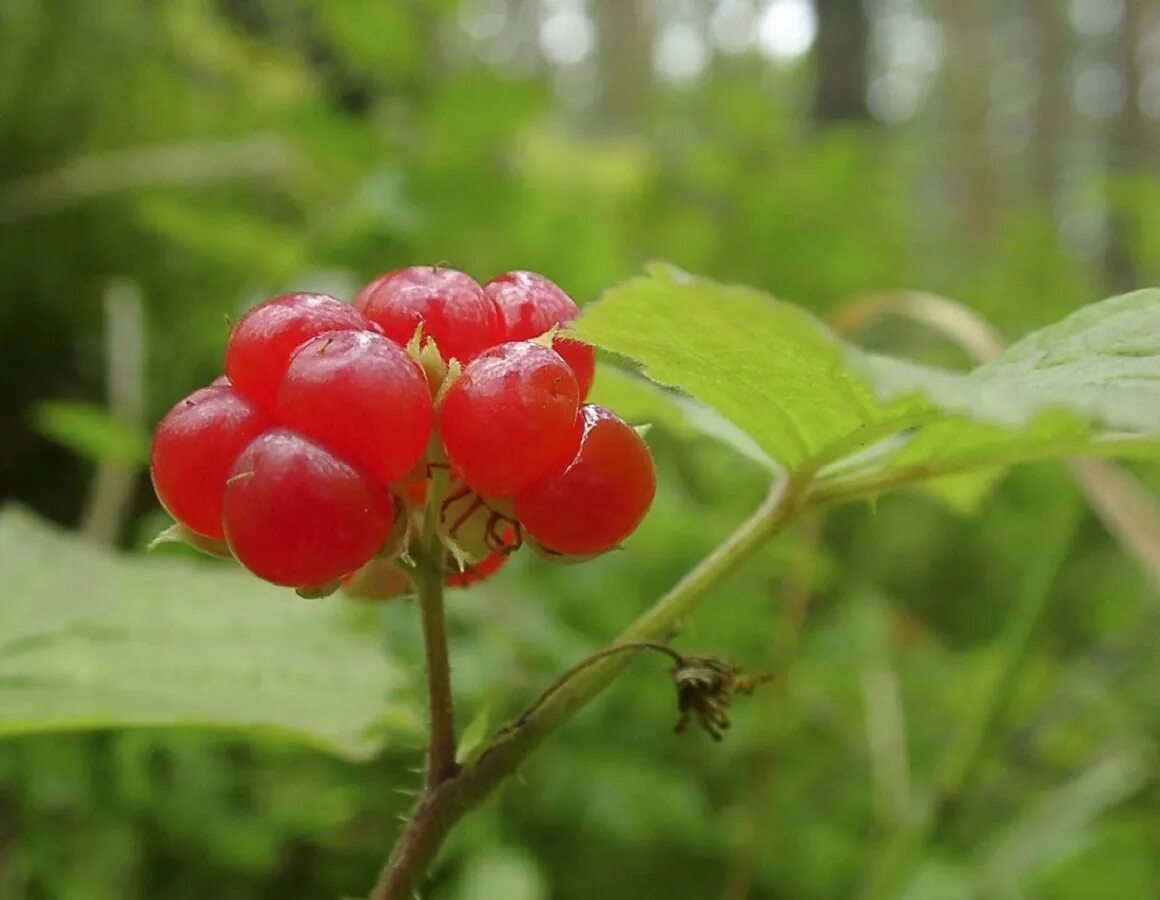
[(214, 152)]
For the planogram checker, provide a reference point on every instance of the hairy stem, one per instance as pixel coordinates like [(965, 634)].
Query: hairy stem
[(441, 748), (415, 849), (428, 578), (442, 805)]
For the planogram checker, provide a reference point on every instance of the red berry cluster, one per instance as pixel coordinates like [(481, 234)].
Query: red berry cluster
[(312, 457)]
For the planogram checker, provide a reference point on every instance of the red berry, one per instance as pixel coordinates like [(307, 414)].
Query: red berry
[(194, 447), (481, 571), (602, 495), (296, 515), (362, 397), (451, 307), (510, 417), (581, 358), (529, 305), (261, 344)]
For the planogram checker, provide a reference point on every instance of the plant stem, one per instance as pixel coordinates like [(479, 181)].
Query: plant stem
[(443, 804), (415, 849), (428, 576)]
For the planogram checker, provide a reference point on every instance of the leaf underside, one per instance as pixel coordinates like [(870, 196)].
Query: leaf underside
[(93, 639)]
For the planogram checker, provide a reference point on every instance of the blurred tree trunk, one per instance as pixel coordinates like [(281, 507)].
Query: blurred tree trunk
[(966, 92), (1149, 30), (624, 48), (1130, 133), (523, 31), (1129, 139), (841, 54), (1051, 114)]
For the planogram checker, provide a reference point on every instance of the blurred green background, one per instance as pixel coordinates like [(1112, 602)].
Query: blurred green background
[(164, 165)]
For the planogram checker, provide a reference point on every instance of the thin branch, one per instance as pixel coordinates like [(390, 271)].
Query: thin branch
[(442, 806), (960, 323), (588, 662)]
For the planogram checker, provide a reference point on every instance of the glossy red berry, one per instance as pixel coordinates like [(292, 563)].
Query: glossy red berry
[(529, 305), (362, 397), (297, 515), (451, 306), (599, 498), (194, 447), (509, 417), (261, 344)]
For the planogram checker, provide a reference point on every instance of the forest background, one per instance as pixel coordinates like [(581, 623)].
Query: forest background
[(165, 165)]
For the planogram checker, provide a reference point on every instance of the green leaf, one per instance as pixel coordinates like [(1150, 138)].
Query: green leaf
[(1101, 363), (768, 367), (1103, 360), (1088, 385), (94, 639), (90, 431), (641, 402)]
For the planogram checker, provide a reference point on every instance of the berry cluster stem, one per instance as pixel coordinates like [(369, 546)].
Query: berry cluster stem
[(428, 577), (446, 801)]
